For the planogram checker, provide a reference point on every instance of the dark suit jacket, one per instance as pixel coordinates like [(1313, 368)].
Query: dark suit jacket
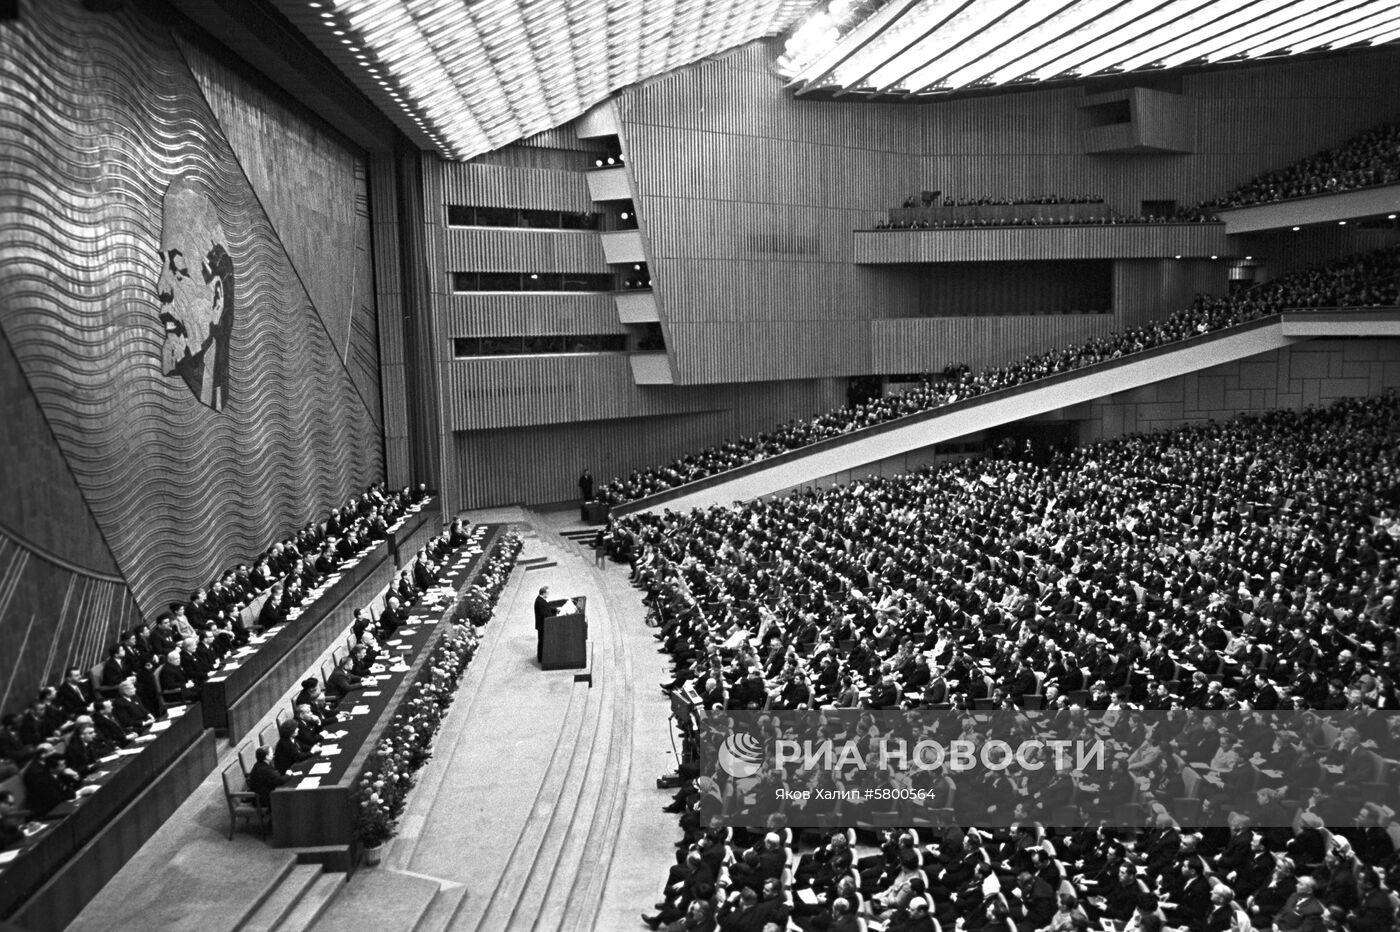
[(263, 779), (544, 608), (287, 754)]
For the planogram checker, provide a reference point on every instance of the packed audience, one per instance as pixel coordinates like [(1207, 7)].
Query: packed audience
[(313, 709), (1228, 567), (1180, 215), (932, 199), (66, 731), (1364, 280), (1369, 159)]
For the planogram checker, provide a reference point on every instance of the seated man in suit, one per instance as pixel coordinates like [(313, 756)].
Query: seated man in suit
[(47, 783), (127, 711), (175, 685), (264, 778), (85, 749), (343, 681)]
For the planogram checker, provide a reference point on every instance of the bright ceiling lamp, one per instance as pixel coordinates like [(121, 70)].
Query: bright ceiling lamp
[(1009, 33), (1266, 32), (941, 41), (1146, 33), (1207, 30), (474, 75), (1350, 34), (1305, 33), (1022, 53), (926, 48), (1075, 45), (902, 35), (821, 62)]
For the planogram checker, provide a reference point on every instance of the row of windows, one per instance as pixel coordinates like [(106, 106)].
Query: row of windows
[(467, 347), (534, 281), (460, 216)]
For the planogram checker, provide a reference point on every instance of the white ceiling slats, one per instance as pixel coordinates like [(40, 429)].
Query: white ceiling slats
[(465, 77), (922, 49)]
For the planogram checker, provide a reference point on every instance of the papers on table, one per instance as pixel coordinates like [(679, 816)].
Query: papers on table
[(320, 769), (127, 752), (7, 856), (359, 710), (175, 711), (158, 727), (145, 739), (336, 735), (330, 750), (309, 783), (373, 692)]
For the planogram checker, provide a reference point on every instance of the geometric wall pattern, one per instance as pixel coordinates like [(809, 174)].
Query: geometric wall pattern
[(205, 398)]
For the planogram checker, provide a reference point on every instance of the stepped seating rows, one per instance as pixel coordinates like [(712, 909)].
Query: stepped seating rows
[(1364, 280)]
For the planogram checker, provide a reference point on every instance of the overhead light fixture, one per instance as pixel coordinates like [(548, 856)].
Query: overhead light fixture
[(1296, 229)]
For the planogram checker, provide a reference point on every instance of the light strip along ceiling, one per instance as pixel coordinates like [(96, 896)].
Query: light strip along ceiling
[(920, 49), (464, 77)]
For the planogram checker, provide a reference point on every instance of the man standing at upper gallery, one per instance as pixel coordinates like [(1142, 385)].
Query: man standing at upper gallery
[(544, 608), (195, 289), (585, 486)]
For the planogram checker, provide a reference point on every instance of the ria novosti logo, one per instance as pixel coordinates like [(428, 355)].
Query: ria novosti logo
[(741, 755)]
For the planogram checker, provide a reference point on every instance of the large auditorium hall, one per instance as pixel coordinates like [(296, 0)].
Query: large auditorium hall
[(700, 465)]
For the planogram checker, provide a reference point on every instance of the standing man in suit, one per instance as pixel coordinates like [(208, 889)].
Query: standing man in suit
[(544, 608)]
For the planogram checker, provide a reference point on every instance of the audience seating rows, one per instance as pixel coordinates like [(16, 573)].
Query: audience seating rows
[(1364, 280), (1218, 568), (1366, 160)]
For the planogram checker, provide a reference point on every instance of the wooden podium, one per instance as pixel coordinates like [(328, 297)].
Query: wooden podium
[(564, 640)]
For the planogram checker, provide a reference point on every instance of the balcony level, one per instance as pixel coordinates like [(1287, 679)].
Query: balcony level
[(1365, 203), (860, 448), (1016, 243)]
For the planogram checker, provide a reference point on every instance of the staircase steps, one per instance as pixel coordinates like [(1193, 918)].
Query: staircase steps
[(269, 912), (313, 902), (384, 900), (494, 912), (579, 903), (441, 913)]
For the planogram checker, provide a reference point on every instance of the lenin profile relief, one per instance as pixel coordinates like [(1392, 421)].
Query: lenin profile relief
[(196, 293)]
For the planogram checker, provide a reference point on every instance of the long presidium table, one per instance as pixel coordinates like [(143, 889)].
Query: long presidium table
[(61, 865), (242, 691), (317, 810)]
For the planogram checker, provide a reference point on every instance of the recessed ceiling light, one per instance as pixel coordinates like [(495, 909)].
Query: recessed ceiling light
[(1341, 223), (1296, 229), (1391, 217), (1215, 257), (338, 32)]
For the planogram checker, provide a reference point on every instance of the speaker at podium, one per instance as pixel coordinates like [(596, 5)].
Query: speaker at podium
[(564, 637)]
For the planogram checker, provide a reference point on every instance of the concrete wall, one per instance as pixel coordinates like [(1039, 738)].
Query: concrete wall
[(1314, 373)]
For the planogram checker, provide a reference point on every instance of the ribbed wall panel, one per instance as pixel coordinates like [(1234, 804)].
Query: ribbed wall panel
[(930, 344), (727, 351), (1128, 241), (500, 315), (1149, 289), (482, 185), (556, 453), (748, 197), (510, 391), (508, 249)]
